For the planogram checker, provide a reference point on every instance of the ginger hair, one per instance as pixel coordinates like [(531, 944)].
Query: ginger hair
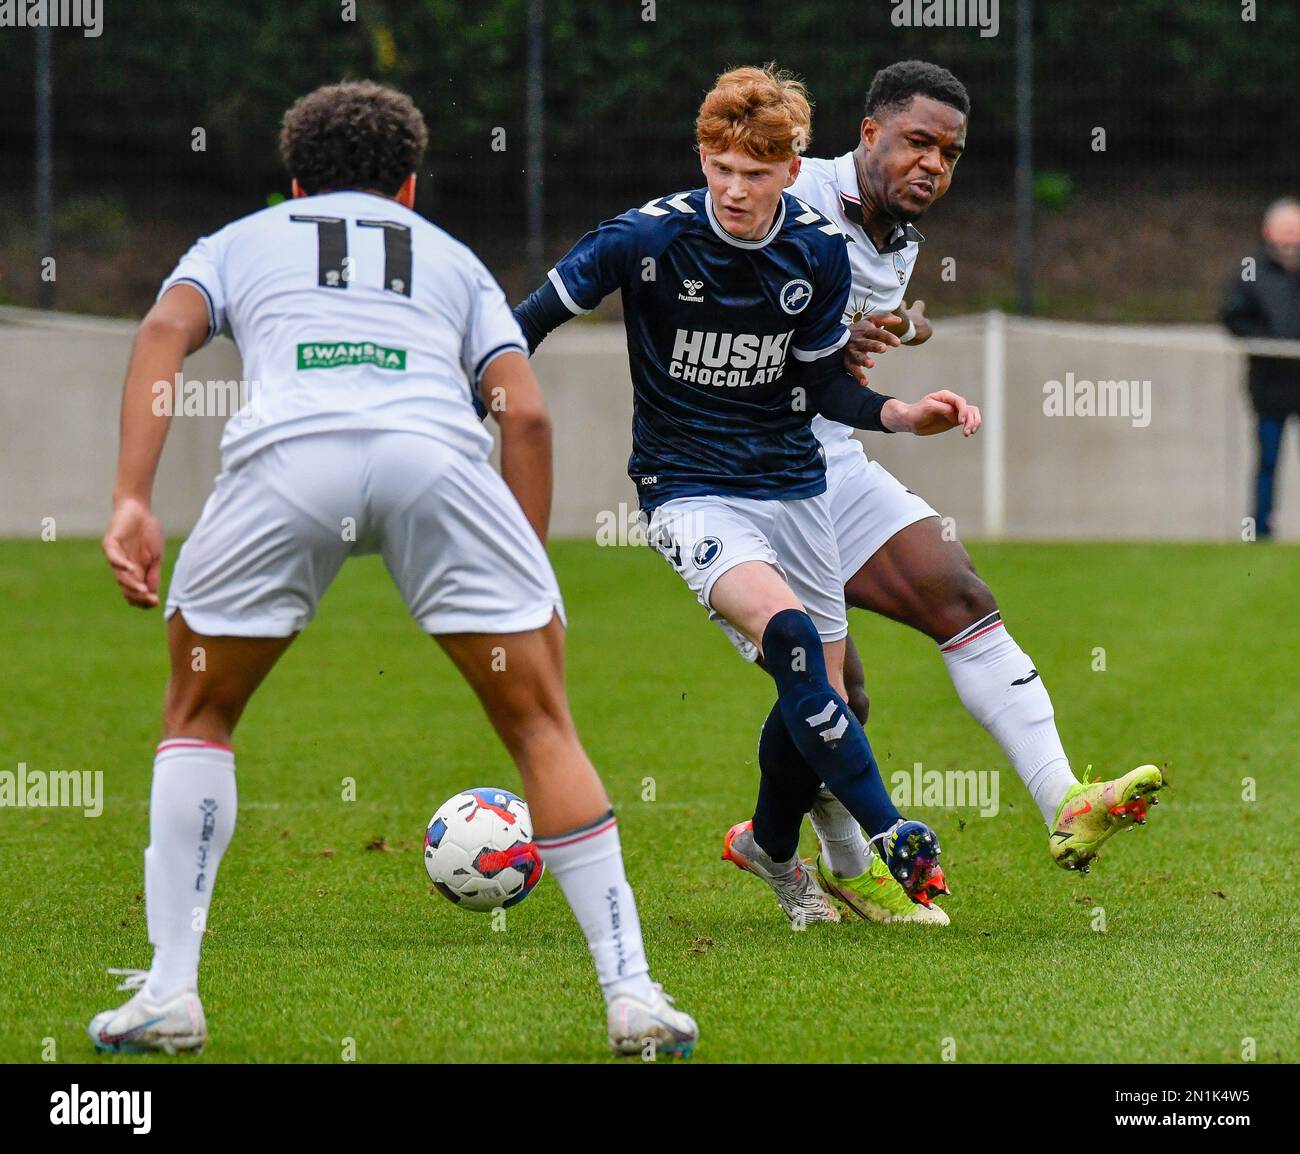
[(762, 112)]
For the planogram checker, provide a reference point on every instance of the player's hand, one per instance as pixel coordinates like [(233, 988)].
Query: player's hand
[(134, 548), (933, 413), (866, 337)]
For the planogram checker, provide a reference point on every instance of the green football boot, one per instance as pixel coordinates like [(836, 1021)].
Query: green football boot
[(876, 896), (1093, 810)]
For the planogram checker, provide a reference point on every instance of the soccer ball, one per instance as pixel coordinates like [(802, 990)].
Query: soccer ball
[(479, 850)]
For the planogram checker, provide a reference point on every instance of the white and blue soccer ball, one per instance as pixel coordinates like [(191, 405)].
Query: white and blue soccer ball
[(479, 850)]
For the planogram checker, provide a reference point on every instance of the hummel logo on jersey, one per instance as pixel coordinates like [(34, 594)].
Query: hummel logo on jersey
[(795, 296), (729, 360), (692, 295), (822, 721)]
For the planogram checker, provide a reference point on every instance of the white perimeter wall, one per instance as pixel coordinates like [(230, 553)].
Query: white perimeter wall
[(1186, 474)]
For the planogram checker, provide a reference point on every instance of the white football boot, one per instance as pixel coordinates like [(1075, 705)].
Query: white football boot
[(173, 1025), (796, 889), (650, 1029)]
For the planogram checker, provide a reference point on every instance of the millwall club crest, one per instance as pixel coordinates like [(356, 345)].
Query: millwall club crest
[(900, 267), (707, 550), (795, 296)]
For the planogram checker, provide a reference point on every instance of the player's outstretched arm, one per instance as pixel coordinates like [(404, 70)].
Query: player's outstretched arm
[(513, 395), (934, 413), (174, 328), (840, 397)]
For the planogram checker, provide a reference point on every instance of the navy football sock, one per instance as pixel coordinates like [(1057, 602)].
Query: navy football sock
[(786, 791), (823, 728)]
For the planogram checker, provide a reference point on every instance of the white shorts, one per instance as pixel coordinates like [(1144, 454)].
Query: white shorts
[(278, 527), (704, 537), (868, 506)]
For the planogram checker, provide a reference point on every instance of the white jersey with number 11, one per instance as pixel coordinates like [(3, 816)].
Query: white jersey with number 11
[(351, 312)]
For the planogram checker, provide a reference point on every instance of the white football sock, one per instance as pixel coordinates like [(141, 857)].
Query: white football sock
[(844, 849), (1002, 690), (588, 864), (191, 820)]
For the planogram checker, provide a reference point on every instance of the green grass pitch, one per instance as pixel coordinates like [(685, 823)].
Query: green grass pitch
[(324, 926)]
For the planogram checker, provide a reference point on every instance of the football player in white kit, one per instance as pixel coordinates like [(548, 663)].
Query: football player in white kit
[(894, 558), (368, 332)]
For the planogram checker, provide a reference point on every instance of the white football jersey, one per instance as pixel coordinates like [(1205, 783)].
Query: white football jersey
[(879, 276), (351, 312)]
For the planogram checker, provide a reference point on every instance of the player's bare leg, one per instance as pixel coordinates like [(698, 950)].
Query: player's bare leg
[(921, 579), (192, 805), (519, 678), (212, 680), (855, 681), (810, 737)]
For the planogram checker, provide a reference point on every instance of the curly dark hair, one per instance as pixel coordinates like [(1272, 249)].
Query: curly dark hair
[(892, 88), (354, 135)]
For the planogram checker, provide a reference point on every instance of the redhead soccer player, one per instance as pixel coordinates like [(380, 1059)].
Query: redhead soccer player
[(733, 299)]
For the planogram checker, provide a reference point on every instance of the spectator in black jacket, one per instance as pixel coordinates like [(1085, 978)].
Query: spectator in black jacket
[(1268, 305)]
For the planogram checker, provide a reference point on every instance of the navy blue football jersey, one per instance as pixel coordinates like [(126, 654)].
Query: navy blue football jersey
[(719, 331)]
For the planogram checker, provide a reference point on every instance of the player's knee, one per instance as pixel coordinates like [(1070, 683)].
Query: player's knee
[(789, 636), (965, 600), (543, 745), (975, 598), (534, 730), (188, 712), (530, 717)]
